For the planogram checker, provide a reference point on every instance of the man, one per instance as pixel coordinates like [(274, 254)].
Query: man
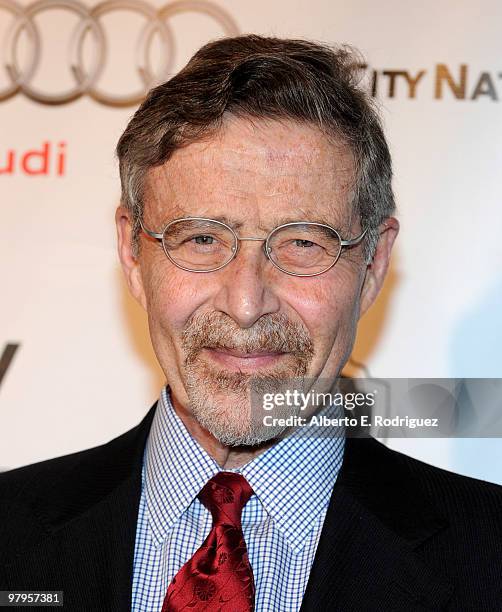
[(255, 229)]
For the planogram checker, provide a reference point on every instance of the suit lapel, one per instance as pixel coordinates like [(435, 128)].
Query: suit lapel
[(376, 519), (87, 527)]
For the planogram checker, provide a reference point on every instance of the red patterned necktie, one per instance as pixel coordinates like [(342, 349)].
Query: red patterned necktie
[(218, 578)]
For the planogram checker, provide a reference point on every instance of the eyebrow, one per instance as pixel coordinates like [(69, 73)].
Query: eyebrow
[(236, 224)]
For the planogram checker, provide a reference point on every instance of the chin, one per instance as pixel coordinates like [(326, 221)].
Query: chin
[(229, 404), (232, 435), (230, 416)]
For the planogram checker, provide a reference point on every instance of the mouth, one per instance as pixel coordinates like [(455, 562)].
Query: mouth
[(233, 359)]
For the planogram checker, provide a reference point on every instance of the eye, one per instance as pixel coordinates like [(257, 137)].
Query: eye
[(304, 243), (296, 245), (204, 239)]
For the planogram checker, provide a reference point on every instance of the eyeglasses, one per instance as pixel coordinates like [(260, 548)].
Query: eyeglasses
[(301, 248)]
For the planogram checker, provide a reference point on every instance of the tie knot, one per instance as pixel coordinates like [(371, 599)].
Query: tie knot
[(225, 495)]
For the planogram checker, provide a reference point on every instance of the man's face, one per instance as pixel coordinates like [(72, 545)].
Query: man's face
[(214, 333)]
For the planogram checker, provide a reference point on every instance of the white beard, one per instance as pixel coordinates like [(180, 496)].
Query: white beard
[(231, 409), (230, 404)]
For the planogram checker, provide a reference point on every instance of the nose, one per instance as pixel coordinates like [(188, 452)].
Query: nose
[(247, 286)]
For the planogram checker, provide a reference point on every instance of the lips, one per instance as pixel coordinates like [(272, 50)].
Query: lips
[(235, 359), (243, 354)]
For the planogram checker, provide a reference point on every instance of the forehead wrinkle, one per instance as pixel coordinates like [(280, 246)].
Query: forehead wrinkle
[(274, 158), (176, 191), (301, 170)]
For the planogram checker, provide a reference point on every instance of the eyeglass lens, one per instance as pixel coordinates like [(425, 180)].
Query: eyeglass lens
[(206, 245)]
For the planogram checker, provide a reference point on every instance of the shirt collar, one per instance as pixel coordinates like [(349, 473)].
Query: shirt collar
[(176, 467), (293, 479)]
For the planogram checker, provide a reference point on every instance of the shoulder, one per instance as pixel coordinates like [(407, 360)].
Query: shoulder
[(60, 487), (46, 474), (449, 488), (385, 476)]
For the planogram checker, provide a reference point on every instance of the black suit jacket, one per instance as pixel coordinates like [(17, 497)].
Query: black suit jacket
[(399, 535)]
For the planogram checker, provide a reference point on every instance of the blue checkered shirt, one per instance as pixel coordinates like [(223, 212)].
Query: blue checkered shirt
[(292, 483)]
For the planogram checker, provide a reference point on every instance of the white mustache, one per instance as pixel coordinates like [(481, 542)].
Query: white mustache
[(275, 333)]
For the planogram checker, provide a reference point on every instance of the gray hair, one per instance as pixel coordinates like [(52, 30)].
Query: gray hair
[(264, 78)]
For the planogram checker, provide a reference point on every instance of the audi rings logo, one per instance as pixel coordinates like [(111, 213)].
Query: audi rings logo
[(86, 78)]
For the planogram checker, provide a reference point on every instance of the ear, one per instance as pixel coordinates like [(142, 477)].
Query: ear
[(130, 264), (377, 269)]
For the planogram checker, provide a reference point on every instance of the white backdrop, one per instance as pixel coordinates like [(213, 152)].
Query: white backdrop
[(84, 371)]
